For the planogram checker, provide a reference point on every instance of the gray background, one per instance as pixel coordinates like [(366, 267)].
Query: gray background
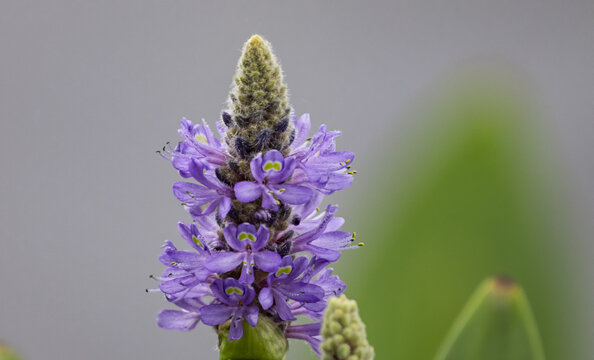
[(89, 90)]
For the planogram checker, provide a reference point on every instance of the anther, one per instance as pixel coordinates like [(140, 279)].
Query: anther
[(361, 244)]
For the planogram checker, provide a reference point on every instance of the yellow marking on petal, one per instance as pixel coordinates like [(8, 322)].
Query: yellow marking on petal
[(341, 163), (284, 270), (282, 189), (200, 138), (270, 192), (196, 241), (244, 235), (233, 290), (317, 209), (277, 202), (272, 165)]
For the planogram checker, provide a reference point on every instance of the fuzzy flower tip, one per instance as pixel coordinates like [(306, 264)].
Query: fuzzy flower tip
[(258, 245), (344, 332)]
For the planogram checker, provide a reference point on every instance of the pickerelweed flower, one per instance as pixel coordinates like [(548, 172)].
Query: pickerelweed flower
[(259, 245)]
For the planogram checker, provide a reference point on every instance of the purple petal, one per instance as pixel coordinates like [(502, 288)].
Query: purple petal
[(294, 194), (224, 207), (265, 297), (302, 128), (282, 308), (338, 181), (197, 171), (189, 232), (247, 228), (230, 234), (273, 155), (246, 191), (267, 260), (323, 253), (223, 261), (247, 270), (250, 314), (215, 314), (191, 193), (261, 238), (236, 329), (276, 177), (177, 320), (256, 167), (331, 162), (302, 292), (268, 201)]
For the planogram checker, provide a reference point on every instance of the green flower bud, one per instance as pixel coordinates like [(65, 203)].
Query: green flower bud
[(344, 332), (265, 341), (258, 101), (496, 324)]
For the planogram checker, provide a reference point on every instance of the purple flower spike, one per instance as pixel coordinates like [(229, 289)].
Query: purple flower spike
[(234, 299), (254, 199), (248, 244), (270, 172), (284, 284)]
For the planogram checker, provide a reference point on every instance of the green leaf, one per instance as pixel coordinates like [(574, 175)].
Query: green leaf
[(265, 341), (496, 324)]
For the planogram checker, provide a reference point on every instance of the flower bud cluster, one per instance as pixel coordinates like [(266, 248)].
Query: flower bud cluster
[(344, 332)]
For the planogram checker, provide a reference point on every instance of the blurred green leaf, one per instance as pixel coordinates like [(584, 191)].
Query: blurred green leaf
[(7, 353), (496, 324), (460, 197)]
